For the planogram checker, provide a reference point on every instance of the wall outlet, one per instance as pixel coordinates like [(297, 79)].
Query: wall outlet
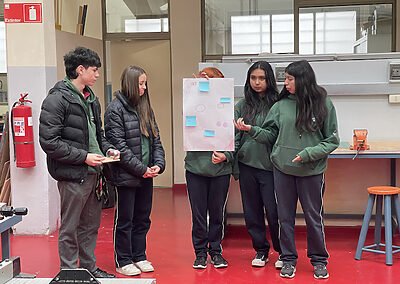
[(394, 72), (394, 99)]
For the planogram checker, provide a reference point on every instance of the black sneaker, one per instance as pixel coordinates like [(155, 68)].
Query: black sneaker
[(200, 262), (288, 270), (219, 261), (259, 260), (320, 271), (98, 273)]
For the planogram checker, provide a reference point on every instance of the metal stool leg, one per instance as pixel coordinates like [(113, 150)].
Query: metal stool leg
[(397, 209), (388, 230), (378, 220), (364, 227)]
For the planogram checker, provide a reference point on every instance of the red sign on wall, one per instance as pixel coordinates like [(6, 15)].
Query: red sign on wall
[(22, 13)]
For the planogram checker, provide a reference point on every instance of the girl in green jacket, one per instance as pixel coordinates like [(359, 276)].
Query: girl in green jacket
[(207, 178), (302, 127), (256, 178)]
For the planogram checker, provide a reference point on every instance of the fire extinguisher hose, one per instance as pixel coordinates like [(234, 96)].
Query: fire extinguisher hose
[(12, 128)]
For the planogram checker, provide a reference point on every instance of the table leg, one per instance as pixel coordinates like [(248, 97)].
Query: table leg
[(393, 171), (393, 183), (5, 245)]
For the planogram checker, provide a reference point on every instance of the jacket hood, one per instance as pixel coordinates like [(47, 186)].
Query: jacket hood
[(60, 86), (124, 101), (70, 93)]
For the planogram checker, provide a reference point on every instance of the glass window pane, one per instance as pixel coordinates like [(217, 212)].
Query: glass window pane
[(244, 27), (3, 54), (336, 32), (283, 33), (132, 16), (306, 33), (250, 34), (348, 29), (144, 25)]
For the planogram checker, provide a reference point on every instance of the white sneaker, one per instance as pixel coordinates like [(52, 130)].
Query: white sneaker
[(279, 263), (145, 266), (129, 270), (259, 260)]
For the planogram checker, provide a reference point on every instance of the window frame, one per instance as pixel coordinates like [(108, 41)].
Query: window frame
[(298, 4), (122, 36)]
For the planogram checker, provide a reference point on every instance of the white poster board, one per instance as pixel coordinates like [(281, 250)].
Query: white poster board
[(208, 113)]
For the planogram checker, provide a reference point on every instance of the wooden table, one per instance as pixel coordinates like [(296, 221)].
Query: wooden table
[(378, 150)]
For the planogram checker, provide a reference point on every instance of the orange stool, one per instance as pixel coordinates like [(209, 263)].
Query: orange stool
[(387, 193)]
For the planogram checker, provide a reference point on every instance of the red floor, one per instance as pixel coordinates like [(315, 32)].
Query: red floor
[(170, 250)]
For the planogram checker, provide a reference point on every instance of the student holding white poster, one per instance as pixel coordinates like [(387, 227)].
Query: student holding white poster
[(256, 178), (207, 178)]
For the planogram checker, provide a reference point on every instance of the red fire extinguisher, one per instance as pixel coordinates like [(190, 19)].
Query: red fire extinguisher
[(22, 133)]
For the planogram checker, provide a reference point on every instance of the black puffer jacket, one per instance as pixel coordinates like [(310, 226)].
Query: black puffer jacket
[(122, 128), (63, 134)]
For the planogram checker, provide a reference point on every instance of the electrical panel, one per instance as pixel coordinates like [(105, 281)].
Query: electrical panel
[(394, 72), (280, 73)]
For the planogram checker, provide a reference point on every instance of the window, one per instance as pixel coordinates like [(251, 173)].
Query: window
[(345, 29), (247, 27), (233, 27), (3, 53), (250, 34), (136, 18), (146, 25)]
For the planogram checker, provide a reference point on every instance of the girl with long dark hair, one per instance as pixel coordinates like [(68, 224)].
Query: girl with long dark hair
[(256, 177)]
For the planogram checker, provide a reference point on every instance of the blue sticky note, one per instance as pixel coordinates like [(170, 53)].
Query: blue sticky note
[(204, 86), (209, 133), (191, 120), (225, 100)]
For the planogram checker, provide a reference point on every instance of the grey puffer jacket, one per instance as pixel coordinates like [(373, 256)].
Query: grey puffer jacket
[(122, 128)]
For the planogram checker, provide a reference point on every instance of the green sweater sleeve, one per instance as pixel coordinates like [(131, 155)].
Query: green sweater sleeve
[(330, 141), (229, 156), (238, 114), (269, 130), (238, 107)]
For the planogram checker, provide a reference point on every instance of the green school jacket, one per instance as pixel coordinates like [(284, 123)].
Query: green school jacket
[(199, 163), (249, 151), (280, 131)]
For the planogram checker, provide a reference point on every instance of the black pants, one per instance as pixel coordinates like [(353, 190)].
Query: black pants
[(132, 222), (309, 191), (207, 196), (258, 194)]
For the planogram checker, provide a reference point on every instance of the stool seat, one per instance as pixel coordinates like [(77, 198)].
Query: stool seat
[(383, 190)]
